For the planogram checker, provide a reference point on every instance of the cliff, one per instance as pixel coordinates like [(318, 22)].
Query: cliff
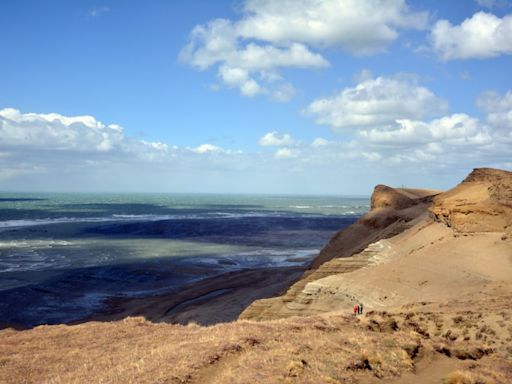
[(481, 203), (400, 250)]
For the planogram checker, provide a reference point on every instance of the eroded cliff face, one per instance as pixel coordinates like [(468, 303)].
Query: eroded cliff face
[(481, 203), (412, 245), (392, 212)]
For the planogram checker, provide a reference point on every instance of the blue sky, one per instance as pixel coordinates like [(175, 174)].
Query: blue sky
[(255, 96)]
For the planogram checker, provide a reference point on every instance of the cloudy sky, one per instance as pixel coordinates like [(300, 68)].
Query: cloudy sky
[(252, 96)]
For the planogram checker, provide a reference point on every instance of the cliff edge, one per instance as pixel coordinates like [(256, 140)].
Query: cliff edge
[(481, 203), (414, 245)]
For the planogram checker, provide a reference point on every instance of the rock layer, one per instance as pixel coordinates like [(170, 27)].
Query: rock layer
[(481, 203)]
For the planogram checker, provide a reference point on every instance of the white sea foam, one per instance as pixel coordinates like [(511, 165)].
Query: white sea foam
[(34, 243), (10, 224), (261, 258)]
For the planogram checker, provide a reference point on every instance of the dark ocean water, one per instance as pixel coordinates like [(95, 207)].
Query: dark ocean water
[(62, 255)]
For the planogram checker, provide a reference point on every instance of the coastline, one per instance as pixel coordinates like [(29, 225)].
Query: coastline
[(218, 299)]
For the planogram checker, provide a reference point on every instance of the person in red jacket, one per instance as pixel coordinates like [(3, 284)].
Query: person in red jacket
[(356, 309)]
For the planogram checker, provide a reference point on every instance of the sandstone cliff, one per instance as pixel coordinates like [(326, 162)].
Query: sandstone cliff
[(413, 245), (481, 203)]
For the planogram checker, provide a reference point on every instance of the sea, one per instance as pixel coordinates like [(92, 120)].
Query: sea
[(62, 256)]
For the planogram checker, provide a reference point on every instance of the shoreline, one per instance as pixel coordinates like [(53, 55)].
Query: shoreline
[(218, 299)]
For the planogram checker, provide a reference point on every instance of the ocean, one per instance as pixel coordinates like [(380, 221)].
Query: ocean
[(63, 255)]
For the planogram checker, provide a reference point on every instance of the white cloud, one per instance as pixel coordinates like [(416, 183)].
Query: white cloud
[(271, 35), (276, 139), (54, 131), (457, 129), (457, 140), (383, 121), (484, 35), (360, 27), (493, 102), (250, 88), (499, 112), (207, 148), (286, 153), (319, 142), (376, 102), (80, 138)]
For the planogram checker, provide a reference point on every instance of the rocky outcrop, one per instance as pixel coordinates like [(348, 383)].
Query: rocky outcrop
[(481, 203), (384, 197)]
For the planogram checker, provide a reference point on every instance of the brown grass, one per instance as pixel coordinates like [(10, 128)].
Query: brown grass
[(462, 377), (136, 351), (316, 349)]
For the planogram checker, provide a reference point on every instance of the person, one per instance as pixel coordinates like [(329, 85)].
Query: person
[(356, 309), (361, 308)]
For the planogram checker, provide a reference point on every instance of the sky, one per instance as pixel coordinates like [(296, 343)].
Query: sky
[(252, 96)]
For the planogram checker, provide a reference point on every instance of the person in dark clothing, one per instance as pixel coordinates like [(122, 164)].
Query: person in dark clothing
[(360, 308)]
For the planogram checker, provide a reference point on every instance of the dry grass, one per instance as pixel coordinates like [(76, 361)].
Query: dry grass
[(136, 351), (462, 377), (316, 349)]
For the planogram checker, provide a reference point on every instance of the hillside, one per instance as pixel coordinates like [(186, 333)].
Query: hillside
[(413, 245), (433, 270)]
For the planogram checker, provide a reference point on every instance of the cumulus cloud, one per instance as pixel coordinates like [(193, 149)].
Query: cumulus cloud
[(271, 35), (55, 131), (360, 27), (276, 139), (457, 129), (386, 120), (455, 140), (376, 102), (82, 138), (484, 35)]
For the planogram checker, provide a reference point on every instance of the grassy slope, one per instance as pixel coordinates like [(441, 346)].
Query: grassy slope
[(332, 348)]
